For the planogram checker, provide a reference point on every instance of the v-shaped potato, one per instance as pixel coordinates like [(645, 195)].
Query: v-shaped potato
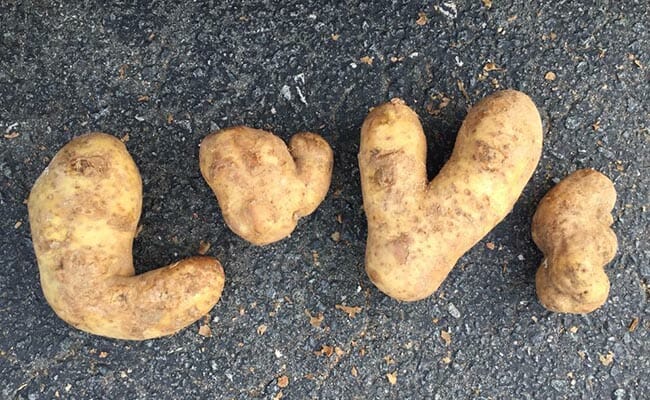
[(417, 230)]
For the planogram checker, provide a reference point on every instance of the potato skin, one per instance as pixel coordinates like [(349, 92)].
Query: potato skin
[(83, 213), (572, 228), (262, 186), (418, 230)]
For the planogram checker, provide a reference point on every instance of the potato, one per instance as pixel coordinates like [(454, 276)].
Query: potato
[(572, 228), (262, 187), (83, 213), (417, 230)]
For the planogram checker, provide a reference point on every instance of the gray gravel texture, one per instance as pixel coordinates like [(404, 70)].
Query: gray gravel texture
[(69, 68)]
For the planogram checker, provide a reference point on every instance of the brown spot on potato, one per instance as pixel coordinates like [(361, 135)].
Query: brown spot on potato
[(489, 157), (374, 277), (90, 166), (122, 223), (385, 176), (400, 247)]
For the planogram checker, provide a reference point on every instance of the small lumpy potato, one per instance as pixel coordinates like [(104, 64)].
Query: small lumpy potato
[(572, 228), (417, 230), (263, 187), (83, 212)]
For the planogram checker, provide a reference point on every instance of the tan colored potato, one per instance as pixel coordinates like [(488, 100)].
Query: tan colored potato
[(83, 212), (572, 228), (262, 187), (417, 230)]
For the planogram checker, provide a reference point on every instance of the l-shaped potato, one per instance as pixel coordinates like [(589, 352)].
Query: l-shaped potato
[(263, 187), (417, 230), (83, 212)]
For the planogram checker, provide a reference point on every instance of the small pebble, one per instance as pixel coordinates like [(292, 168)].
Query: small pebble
[(453, 311)]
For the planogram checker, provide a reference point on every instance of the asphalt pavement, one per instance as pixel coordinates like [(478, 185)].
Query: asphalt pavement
[(299, 319)]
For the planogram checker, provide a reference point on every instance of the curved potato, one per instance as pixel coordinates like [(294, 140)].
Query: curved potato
[(572, 228), (83, 213), (262, 187), (418, 230)]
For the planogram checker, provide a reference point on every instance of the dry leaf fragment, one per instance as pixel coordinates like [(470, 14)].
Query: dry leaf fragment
[(461, 87), (487, 3), (11, 135), (367, 60), (283, 381), (143, 98), (444, 102), (352, 311), (490, 245), (18, 224), (315, 257), (490, 66), (550, 76), (553, 35), (325, 350), (261, 329), (606, 359), (446, 359), (422, 19), (354, 371), (620, 168), (203, 247), (633, 325), (336, 236), (279, 395), (596, 125), (122, 71), (204, 330), (335, 36), (632, 57), (573, 329), (103, 354), (170, 119), (446, 336), (389, 360), (315, 320), (392, 377)]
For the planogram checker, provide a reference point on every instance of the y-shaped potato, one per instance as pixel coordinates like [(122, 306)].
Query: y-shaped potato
[(83, 212), (262, 187), (417, 231), (572, 228)]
